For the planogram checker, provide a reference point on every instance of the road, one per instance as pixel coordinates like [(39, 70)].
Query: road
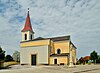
[(52, 69)]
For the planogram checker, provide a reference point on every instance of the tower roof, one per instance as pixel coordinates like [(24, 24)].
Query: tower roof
[(27, 26)]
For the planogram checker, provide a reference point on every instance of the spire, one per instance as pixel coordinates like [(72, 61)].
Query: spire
[(27, 26)]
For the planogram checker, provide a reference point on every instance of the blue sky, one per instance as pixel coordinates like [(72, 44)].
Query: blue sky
[(78, 18)]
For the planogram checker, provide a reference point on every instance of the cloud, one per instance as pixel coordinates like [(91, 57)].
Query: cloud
[(78, 18), (9, 25)]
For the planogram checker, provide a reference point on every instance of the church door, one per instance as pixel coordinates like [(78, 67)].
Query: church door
[(55, 61), (33, 59)]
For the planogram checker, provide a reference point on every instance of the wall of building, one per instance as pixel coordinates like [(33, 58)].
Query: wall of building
[(40, 51), (35, 43), (63, 45), (60, 59), (28, 35), (74, 55), (51, 47), (23, 35)]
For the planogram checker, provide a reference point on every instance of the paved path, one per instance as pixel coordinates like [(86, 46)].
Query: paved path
[(53, 69)]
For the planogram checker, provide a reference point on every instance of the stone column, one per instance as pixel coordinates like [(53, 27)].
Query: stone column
[(70, 57)]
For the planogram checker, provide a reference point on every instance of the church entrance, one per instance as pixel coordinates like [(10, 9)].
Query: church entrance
[(33, 59), (55, 61)]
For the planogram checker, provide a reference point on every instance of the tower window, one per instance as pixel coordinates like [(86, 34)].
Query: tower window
[(25, 36), (31, 37), (58, 51)]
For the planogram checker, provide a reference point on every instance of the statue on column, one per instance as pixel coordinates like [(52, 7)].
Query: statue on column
[(70, 56)]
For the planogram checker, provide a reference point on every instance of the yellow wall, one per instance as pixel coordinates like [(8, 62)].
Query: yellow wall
[(60, 59), (63, 45), (52, 47), (74, 55), (35, 43)]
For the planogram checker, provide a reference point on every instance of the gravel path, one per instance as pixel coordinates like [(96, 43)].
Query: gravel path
[(52, 69)]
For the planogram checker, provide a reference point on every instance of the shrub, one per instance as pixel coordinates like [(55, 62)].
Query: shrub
[(8, 58)]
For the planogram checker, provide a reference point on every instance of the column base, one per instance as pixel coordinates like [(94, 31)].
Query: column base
[(71, 65)]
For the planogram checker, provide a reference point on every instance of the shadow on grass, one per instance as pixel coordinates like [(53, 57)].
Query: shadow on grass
[(7, 67)]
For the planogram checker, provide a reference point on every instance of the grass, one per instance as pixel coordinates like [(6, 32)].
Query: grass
[(6, 64)]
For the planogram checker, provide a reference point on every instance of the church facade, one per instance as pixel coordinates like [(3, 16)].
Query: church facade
[(45, 51)]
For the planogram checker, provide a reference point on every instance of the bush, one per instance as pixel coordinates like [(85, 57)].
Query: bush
[(16, 56), (2, 54), (8, 58), (89, 63)]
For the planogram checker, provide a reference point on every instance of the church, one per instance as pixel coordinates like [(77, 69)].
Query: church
[(45, 51)]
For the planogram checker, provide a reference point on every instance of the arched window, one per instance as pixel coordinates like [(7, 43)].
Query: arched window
[(25, 36), (58, 51), (31, 36)]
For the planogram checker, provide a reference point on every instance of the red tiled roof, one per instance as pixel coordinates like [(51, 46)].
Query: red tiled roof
[(27, 26), (87, 57)]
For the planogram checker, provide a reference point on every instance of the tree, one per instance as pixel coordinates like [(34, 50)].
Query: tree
[(8, 58), (98, 60), (2, 54), (81, 60), (16, 56), (94, 56)]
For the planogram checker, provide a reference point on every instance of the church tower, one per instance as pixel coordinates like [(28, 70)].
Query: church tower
[(27, 32)]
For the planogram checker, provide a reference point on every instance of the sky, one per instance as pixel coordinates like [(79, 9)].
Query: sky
[(50, 18)]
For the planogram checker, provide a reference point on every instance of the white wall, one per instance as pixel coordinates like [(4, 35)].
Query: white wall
[(28, 35), (41, 51)]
